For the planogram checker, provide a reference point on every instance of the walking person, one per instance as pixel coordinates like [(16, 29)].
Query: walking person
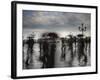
[(81, 54), (45, 53), (30, 43), (63, 48)]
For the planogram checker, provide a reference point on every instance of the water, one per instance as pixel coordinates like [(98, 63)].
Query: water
[(36, 63)]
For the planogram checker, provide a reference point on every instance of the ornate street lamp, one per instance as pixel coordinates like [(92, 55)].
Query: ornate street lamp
[(82, 28)]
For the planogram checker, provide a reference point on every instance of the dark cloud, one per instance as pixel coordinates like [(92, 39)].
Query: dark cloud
[(50, 20)]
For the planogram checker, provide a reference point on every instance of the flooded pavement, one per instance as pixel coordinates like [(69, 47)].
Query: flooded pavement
[(36, 63)]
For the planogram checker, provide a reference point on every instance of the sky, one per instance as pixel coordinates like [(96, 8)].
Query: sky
[(63, 23)]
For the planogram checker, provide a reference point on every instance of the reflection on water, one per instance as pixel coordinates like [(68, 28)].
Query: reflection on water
[(49, 55)]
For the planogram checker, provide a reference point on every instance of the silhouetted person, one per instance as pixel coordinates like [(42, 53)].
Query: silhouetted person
[(51, 58), (49, 49), (30, 43), (70, 48), (81, 46), (63, 48), (86, 43), (75, 41), (89, 42), (70, 45), (45, 53), (23, 43), (41, 48)]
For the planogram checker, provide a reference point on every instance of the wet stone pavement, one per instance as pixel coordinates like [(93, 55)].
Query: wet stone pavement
[(34, 61)]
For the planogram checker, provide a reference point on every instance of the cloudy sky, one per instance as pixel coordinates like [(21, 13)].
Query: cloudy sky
[(63, 23)]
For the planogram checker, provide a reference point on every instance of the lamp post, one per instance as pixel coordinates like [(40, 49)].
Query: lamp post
[(82, 28)]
